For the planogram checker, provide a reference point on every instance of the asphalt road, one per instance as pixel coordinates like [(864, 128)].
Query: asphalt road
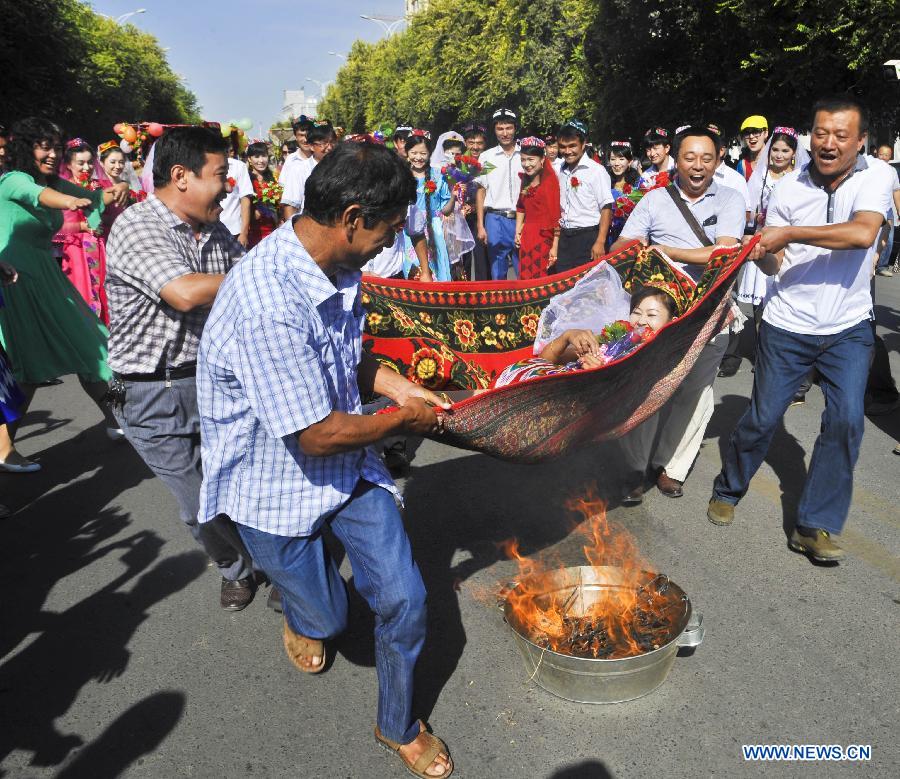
[(115, 659)]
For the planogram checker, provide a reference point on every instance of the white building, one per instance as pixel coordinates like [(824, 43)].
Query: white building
[(296, 102), (414, 6)]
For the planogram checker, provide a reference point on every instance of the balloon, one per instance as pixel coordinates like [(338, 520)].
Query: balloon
[(155, 129), (225, 130), (245, 124), (126, 147), (129, 133), (117, 128)]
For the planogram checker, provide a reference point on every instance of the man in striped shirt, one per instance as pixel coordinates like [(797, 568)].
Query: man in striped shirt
[(286, 449)]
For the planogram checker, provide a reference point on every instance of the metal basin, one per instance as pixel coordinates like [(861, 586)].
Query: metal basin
[(600, 680)]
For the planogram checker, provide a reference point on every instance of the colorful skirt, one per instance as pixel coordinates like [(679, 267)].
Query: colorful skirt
[(11, 397), (84, 263)]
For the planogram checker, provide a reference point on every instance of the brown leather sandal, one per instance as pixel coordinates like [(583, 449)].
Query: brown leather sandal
[(300, 648), (435, 747)]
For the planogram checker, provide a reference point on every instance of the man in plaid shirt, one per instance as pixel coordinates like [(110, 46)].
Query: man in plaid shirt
[(286, 449), (166, 258)]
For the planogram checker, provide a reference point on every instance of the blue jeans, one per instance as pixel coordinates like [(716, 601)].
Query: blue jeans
[(783, 360), (501, 245), (314, 596), (885, 259)]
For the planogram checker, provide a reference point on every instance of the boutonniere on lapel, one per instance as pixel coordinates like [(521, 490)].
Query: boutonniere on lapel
[(430, 187), (231, 183), (574, 182)]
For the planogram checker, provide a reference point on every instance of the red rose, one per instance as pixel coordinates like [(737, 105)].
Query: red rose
[(627, 189), (430, 187), (574, 182)]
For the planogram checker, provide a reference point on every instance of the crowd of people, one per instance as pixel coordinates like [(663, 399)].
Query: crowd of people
[(208, 301)]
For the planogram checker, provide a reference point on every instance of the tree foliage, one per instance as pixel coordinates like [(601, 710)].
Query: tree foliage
[(62, 60), (462, 58), (625, 65)]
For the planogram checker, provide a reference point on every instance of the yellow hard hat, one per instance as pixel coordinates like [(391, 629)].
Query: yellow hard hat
[(755, 122)]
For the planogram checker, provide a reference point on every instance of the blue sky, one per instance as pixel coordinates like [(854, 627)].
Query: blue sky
[(237, 57)]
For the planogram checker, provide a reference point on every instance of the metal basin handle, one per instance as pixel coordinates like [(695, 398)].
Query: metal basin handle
[(693, 633)]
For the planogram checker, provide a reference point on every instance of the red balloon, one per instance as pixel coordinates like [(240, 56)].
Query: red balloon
[(117, 128), (155, 129)]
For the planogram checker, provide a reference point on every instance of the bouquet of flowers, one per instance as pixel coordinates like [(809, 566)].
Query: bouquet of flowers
[(621, 337), (631, 196), (465, 169), (84, 179), (268, 197)]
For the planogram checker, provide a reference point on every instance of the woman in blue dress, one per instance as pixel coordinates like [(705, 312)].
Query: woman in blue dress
[(433, 198)]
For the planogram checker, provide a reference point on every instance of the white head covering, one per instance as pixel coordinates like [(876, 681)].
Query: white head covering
[(147, 172), (437, 156), (757, 181)]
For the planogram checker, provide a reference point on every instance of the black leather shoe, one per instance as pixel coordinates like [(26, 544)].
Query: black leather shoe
[(236, 595), (726, 371)]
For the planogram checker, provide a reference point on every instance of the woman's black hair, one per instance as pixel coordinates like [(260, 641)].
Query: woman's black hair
[(360, 173), (187, 146), (655, 292), (414, 140), (23, 137), (257, 149), (71, 151), (631, 176), (450, 142), (106, 152), (291, 145), (790, 140)]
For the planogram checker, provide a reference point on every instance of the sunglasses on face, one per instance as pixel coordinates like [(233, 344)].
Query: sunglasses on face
[(754, 131)]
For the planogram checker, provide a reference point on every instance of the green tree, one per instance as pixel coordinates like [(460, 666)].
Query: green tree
[(62, 60)]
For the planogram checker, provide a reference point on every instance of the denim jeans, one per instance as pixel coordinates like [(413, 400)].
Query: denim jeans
[(314, 596), (783, 360), (501, 245)]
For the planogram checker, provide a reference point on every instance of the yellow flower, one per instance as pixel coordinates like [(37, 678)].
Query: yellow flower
[(374, 319), (425, 317), (489, 336)]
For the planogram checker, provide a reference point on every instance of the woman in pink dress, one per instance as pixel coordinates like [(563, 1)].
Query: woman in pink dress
[(80, 239)]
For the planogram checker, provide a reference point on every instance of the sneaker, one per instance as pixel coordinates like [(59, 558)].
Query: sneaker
[(720, 512), (885, 272), (815, 543)]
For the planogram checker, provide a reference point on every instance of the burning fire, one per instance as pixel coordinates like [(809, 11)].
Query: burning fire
[(631, 613)]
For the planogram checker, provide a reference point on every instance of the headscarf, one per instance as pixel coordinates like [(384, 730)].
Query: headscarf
[(758, 178), (437, 156)]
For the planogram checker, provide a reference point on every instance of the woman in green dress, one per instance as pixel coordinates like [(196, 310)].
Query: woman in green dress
[(46, 327)]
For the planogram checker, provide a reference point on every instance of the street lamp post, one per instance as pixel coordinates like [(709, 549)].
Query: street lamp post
[(121, 19), (322, 84), (387, 23)]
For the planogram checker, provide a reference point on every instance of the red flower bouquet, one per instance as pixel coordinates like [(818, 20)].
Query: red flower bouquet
[(430, 187), (465, 169)]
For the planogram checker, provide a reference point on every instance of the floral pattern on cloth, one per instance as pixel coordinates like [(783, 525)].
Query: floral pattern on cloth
[(488, 325), (84, 263)]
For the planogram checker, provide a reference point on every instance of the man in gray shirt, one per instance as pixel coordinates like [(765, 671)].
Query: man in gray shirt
[(657, 220)]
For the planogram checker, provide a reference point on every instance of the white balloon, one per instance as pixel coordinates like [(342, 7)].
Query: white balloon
[(126, 147)]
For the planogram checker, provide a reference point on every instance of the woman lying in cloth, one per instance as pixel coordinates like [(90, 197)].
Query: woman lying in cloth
[(576, 349)]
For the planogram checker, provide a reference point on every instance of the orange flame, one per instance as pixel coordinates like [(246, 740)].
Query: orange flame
[(623, 620)]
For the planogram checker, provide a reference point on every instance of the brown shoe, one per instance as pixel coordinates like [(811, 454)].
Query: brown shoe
[(818, 545), (634, 498), (236, 595), (720, 512), (668, 486)]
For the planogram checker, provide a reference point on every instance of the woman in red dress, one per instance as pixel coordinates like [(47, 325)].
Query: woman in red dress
[(264, 214), (537, 212)]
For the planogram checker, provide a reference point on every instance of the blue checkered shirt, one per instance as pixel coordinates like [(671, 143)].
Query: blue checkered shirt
[(280, 352)]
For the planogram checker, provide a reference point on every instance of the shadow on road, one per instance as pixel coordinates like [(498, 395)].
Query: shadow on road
[(64, 524), (588, 769), (136, 732)]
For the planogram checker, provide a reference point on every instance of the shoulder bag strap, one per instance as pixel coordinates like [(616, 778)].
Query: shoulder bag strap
[(688, 216)]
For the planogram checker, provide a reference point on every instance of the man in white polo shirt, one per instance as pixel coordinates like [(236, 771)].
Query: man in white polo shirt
[(321, 138), (585, 199), (498, 194), (819, 242), (687, 220), (236, 205)]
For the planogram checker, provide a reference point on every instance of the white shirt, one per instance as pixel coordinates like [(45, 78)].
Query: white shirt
[(502, 184), (293, 181), (648, 177), (824, 291), (290, 162), (581, 205), (387, 263), (729, 177), (231, 205)]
